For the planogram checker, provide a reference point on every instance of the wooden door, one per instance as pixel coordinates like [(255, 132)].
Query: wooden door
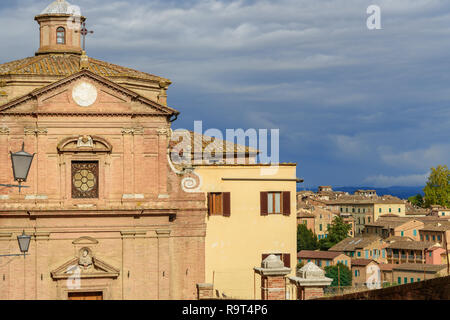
[(85, 295)]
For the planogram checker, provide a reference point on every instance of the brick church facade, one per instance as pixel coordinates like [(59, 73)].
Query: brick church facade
[(108, 214)]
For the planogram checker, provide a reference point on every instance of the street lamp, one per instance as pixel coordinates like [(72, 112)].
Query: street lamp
[(24, 245), (21, 164)]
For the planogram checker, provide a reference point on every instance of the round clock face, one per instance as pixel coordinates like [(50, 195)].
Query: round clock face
[(84, 94)]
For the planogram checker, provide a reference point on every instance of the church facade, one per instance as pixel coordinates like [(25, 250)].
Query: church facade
[(108, 216)]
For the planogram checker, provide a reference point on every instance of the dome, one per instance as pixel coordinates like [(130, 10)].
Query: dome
[(61, 7)]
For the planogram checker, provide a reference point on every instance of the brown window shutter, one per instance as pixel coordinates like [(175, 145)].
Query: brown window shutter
[(287, 260), (287, 203), (264, 256), (263, 203), (226, 204), (209, 204)]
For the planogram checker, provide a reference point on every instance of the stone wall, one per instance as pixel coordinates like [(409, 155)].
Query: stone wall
[(434, 289)]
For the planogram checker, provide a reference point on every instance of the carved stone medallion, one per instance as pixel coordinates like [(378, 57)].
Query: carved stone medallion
[(84, 94)]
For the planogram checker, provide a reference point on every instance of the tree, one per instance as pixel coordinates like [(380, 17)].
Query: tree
[(306, 239), (337, 232), (416, 200), (437, 190), (345, 275)]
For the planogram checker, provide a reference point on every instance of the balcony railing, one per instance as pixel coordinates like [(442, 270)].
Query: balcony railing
[(410, 257), (403, 256), (395, 255)]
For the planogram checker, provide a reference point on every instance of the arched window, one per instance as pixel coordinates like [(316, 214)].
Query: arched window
[(60, 35)]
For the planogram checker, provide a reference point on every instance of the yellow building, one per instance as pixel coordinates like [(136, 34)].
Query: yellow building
[(250, 215)]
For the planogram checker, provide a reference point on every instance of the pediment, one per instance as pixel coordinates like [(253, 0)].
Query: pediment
[(85, 93), (84, 143), (85, 240), (73, 269)]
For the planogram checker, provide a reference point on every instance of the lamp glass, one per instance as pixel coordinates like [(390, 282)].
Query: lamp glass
[(24, 242), (21, 163)]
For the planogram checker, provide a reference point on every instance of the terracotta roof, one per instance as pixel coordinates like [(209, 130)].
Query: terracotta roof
[(362, 262), (63, 65), (419, 267), (208, 143), (412, 245), (351, 244), (386, 266), (436, 226), (398, 238), (305, 254)]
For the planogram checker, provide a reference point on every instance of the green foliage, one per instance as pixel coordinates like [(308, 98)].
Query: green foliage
[(337, 232), (417, 200), (345, 275), (437, 190), (306, 239)]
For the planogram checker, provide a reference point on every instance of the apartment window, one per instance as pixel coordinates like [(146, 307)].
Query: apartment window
[(429, 254), (364, 210), (60, 35), (359, 253), (412, 280), (390, 210), (421, 238), (383, 252), (418, 279), (379, 210), (415, 232), (405, 280), (399, 210), (219, 204), (434, 238), (427, 237), (443, 213), (359, 210), (402, 233), (353, 210), (275, 203), (328, 263), (399, 280), (342, 209), (346, 209), (367, 254), (439, 238), (320, 227), (364, 220), (368, 219)]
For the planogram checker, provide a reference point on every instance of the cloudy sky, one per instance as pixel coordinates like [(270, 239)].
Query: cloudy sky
[(354, 106)]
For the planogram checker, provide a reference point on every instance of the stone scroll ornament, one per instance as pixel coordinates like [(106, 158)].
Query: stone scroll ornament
[(191, 181)]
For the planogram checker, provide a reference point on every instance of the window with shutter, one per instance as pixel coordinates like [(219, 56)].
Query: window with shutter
[(226, 204), (263, 203), (287, 260), (215, 203), (286, 203)]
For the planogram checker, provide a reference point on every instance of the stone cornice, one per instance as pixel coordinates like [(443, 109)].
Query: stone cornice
[(35, 131), (133, 131)]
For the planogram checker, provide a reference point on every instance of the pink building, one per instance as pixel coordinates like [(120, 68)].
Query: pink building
[(435, 255)]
